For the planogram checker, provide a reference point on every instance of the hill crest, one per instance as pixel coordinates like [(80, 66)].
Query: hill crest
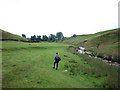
[(4, 35)]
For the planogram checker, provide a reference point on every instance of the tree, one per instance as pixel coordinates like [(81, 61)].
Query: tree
[(59, 35), (74, 35), (34, 38), (45, 38), (31, 38), (52, 37), (39, 38), (23, 35)]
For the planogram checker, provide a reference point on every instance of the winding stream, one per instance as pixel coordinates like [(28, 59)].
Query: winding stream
[(82, 50)]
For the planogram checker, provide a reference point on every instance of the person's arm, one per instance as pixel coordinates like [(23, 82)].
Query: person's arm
[(60, 58)]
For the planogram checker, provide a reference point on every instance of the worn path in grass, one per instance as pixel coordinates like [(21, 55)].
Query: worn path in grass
[(25, 64)]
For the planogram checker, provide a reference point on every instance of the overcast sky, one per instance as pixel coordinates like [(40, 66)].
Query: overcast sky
[(44, 17)]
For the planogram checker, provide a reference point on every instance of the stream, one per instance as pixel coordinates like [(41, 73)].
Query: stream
[(82, 50)]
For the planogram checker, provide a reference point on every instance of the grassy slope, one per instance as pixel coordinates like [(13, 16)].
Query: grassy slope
[(7, 35), (34, 64), (107, 41), (81, 38), (105, 45)]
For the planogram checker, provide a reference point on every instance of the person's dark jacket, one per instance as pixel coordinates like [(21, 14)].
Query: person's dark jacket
[(57, 58)]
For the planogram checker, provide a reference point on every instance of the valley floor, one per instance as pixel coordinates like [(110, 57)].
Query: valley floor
[(29, 65)]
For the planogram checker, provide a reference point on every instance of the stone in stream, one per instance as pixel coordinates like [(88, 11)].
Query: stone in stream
[(109, 61), (90, 56), (89, 53), (81, 51), (82, 48), (95, 56), (106, 61)]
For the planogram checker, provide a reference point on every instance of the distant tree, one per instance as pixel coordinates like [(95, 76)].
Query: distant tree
[(52, 37), (38, 38), (34, 38), (59, 35), (74, 35), (45, 38), (23, 35), (31, 38)]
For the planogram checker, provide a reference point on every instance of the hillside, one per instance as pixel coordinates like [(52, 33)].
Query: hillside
[(103, 44), (80, 38), (7, 35)]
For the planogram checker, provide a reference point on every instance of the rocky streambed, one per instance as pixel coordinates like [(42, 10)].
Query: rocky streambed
[(82, 50)]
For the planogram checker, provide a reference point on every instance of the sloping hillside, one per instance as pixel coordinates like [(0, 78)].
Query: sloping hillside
[(103, 44), (80, 38), (7, 35)]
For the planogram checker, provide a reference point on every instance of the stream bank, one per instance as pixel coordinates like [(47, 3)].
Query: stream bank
[(82, 50)]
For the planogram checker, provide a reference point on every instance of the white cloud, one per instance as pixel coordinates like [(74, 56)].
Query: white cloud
[(44, 17)]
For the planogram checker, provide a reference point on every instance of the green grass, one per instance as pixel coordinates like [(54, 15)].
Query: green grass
[(7, 35), (34, 64), (25, 64)]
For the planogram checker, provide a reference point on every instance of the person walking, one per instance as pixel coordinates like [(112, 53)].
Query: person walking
[(57, 59)]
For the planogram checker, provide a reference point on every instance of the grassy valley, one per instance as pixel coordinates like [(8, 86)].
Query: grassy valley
[(25, 64), (29, 65)]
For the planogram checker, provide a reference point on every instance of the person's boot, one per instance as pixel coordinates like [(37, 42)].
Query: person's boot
[(53, 67), (56, 68)]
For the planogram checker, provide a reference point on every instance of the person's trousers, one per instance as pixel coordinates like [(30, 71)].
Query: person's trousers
[(56, 65)]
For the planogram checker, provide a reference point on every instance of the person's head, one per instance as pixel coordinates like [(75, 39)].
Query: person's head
[(56, 53)]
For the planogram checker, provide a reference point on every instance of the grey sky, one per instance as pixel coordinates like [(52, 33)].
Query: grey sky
[(44, 17)]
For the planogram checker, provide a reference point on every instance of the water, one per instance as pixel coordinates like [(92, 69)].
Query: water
[(82, 50)]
